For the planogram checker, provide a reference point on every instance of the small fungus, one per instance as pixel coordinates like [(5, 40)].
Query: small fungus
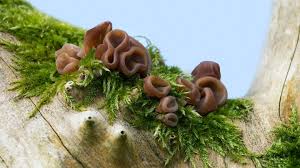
[(213, 94), (115, 42), (207, 68), (170, 119), (207, 102), (95, 37), (67, 60), (134, 61), (167, 104), (156, 87)]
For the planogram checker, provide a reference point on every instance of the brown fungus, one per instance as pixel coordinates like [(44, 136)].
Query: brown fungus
[(207, 102), (115, 42), (134, 61), (167, 104), (207, 68), (67, 60), (170, 119), (213, 94), (193, 94), (156, 87), (122, 52), (95, 37)]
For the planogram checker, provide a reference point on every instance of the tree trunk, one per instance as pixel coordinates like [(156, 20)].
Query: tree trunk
[(61, 137)]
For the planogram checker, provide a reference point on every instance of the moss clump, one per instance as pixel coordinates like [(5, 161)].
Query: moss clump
[(40, 37), (285, 150), (195, 134), (34, 61)]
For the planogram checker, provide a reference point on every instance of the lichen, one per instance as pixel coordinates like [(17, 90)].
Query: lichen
[(40, 36)]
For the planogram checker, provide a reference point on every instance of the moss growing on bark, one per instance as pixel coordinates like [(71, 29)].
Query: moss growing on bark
[(285, 150)]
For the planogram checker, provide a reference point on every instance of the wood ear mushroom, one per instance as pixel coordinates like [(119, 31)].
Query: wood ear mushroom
[(213, 94), (156, 87), (122, 52), (66, 59), (207, 68), (95, 37), (167, 104)]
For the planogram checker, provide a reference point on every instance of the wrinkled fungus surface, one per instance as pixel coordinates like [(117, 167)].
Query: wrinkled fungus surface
[(94, 37), (207, 68), (120, 51), (156, 87), (213, 94), (170, 119), (67, 60), (167, 104), (115, 48)]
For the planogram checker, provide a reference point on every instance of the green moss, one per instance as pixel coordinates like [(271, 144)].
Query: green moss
[(195, 134), (285, 150), (34, 61), (40, 37)]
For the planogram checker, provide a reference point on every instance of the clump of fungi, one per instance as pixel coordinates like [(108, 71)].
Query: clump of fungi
[(115, 48), (121, 52), (156, 87), (207, 92)]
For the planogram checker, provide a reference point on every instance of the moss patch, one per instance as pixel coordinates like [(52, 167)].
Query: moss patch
[(34, 61), (40, 37), (285, 150)]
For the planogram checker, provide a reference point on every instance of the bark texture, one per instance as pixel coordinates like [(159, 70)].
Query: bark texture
[(61, 137)]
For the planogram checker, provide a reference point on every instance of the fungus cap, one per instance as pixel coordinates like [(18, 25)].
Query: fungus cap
[(95, 36), (207, 102), (207, 68), (156, 87), (124, 53), (135, 60), (216, 86), (167, 104), (66, 59), (170, 119)]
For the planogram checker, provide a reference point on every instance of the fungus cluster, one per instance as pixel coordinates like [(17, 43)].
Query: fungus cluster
[(206, 92), (121, 52), (115, 48), (158, 88)]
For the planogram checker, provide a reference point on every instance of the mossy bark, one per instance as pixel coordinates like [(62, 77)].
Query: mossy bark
[(60, 137)]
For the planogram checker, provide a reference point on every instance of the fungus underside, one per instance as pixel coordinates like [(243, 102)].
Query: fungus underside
[(34, 61)]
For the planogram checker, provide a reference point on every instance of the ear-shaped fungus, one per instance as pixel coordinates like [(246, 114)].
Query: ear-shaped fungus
[(156, 87), (213, 94), (167, 104), (170, 119), (114, 43), (122, 52), (134, 61), (207, 68), (193, 94), (207, 102), (94, 37), (66, 59)]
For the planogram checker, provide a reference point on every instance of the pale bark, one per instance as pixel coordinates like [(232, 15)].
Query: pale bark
[(61, 137)]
